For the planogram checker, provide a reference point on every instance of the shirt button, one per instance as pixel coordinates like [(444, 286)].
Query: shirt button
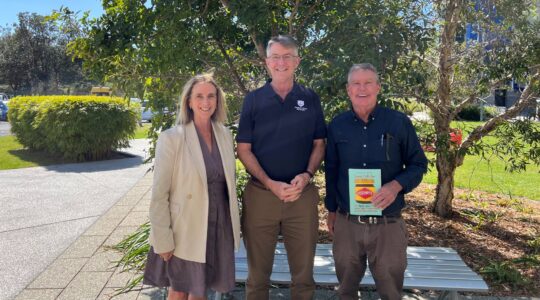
[(364, 164), (365, 145), (365, 127)]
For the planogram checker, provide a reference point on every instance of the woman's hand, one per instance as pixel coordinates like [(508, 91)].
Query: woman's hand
[(166, 256)]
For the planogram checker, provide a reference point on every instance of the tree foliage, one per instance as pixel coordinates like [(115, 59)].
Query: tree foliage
[(456, 72), (150, 48), (33, 56)]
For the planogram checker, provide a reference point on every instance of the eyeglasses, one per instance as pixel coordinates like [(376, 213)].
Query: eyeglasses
[(285, 58)]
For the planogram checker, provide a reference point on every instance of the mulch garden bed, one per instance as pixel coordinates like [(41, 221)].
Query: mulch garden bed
[(497, 236)]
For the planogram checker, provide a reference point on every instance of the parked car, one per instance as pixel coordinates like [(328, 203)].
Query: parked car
[(146, 111), (3, 111)]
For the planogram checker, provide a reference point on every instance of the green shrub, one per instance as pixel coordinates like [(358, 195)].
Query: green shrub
[(503, 272), (472, 113), (74, 127)]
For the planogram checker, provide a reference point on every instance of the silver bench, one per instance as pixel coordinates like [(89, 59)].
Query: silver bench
[(429, 268)]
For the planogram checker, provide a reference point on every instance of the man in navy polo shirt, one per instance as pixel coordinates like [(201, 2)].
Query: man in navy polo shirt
[(370, 137), (281, 144)]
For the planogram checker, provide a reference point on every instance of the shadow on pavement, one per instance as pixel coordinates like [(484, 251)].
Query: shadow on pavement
[(120, 160)]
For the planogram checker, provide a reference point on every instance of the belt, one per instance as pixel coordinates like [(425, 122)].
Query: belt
[(371, 220)]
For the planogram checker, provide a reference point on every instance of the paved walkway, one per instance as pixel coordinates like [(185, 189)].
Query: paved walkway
[(85, 270), (5, 128), (45, 209)]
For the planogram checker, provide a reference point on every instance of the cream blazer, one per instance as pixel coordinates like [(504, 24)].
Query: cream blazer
[(179, 205)]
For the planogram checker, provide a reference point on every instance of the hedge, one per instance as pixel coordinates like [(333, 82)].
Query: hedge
[(471, 112), (79, 128)]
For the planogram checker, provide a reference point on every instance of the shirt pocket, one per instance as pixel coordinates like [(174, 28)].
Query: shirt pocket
[(384, 150)]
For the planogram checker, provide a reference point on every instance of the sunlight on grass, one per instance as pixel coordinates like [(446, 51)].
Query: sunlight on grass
[(142, 131), (14, 156), (478, 174)]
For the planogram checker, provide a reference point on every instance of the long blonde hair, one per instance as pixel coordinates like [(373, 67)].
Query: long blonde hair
[(185, 114)]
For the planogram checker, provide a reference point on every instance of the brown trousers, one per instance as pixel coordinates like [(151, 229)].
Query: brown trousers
[(384, 246), (264, 217)]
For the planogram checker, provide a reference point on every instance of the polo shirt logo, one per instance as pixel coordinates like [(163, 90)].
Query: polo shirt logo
[(300, 106)]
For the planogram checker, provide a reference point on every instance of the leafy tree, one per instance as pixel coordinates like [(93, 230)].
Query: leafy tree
[(33, 56), (456, 73), (150, 49)]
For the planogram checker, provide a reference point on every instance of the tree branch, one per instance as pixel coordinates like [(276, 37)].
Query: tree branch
[(448, 37), (462, 104), (229, 61), (527, 98), (259, 46), (308, 14), (293, 15)]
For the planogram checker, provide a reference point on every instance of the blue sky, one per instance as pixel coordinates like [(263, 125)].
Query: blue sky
[(10, 8)]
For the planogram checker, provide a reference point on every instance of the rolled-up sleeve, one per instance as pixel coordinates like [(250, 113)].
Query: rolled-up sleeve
[(160, 216), (331, 164), (414, 159)]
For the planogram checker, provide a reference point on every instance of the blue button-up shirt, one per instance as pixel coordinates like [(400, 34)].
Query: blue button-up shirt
[(387, 142)]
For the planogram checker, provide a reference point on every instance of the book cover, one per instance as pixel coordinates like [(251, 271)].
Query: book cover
[(363, 183)]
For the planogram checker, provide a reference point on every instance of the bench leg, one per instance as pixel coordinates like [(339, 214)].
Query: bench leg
[(452, 295)]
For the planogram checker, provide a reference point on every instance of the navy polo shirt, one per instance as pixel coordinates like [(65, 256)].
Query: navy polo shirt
[(281, 133), (388, 142)]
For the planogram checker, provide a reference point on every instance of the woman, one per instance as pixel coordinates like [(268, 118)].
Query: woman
[(194, 213)]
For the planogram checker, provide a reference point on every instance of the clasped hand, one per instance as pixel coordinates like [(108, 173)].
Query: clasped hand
[(289, 192)]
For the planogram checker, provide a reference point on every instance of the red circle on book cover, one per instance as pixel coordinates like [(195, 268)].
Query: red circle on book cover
[(364, 193)]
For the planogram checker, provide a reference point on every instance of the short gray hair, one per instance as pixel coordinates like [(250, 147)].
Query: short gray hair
[(286, 41), (185, 114), (363, 67)]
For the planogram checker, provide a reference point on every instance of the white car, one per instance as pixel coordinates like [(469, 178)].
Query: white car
[(146, 111)]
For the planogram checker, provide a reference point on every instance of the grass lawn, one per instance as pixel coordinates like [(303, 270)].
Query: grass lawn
[(142, 131), (14, 156), (478, 174)]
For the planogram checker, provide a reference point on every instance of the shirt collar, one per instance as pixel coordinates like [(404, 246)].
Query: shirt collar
[(374, 114), (268, 91)]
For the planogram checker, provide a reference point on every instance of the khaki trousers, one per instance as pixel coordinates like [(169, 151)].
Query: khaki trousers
[(264, 217), (384, 246)]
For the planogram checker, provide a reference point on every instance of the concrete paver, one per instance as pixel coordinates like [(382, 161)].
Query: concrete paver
[(39, 294), (85, 285), (84, 246), (118, 235), (103, 226), (102, 261), (59, 274)]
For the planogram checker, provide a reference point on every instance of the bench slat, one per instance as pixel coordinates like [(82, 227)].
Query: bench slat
[(409, 283), (429, 273), (282, 254), (432, 268)]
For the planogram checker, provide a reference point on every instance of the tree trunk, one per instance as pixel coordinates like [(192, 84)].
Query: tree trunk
[(446, 168)]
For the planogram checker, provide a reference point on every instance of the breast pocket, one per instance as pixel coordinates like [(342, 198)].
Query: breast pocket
[(385, 150)]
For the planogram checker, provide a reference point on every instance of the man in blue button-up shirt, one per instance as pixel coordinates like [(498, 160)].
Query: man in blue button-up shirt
[(370, 137)]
